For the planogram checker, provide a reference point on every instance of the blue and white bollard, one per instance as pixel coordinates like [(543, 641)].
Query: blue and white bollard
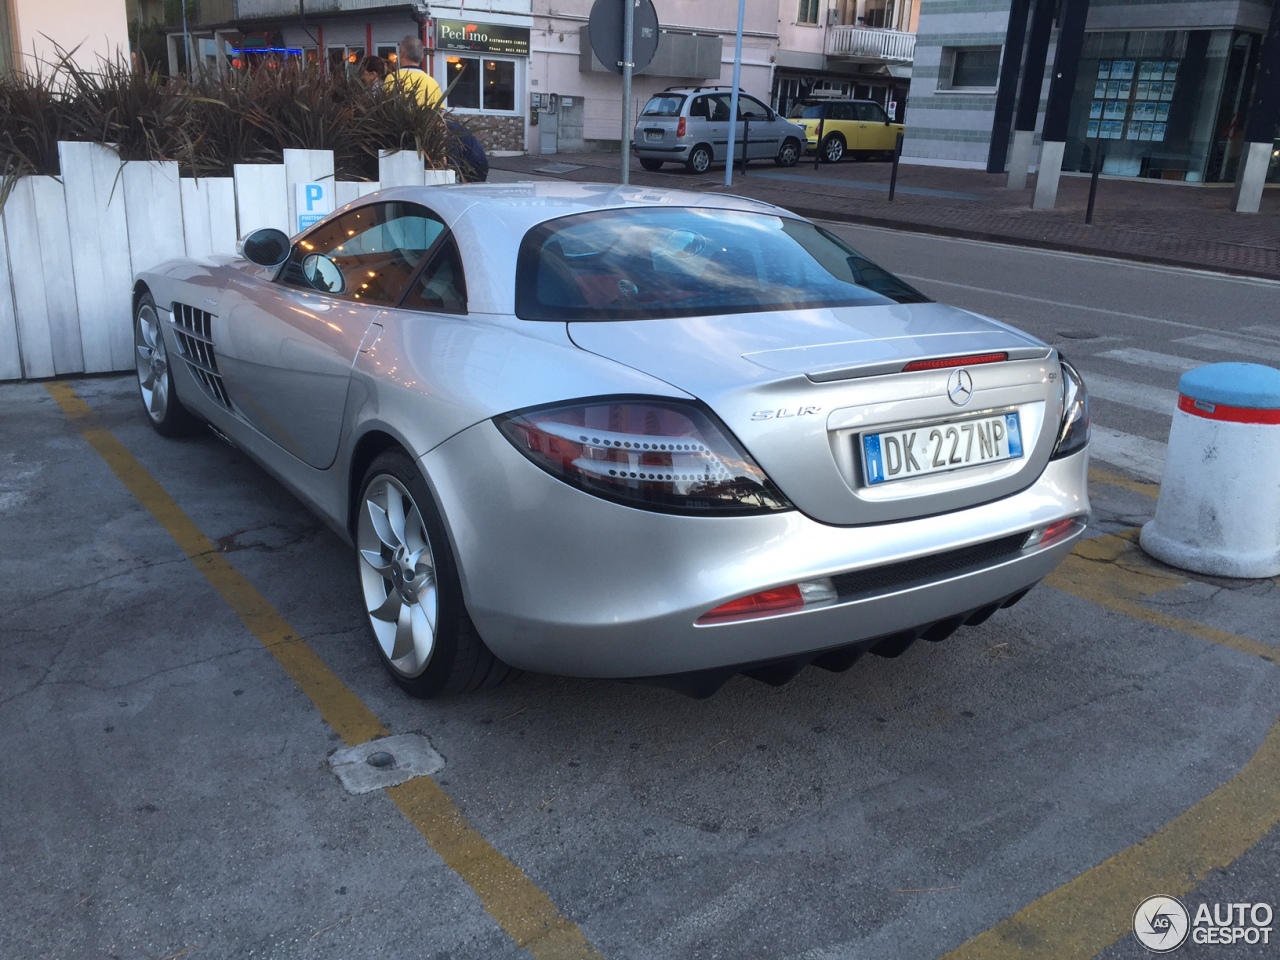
[(1219, 506)]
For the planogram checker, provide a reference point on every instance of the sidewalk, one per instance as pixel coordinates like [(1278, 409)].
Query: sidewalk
[(1154, 221)]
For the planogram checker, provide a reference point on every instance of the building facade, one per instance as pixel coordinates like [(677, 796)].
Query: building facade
[(33, 32), (1163, 87)]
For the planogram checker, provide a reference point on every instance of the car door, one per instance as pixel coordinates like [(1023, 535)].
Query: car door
[(289, 344), (875, 133), (718, 114), (757, 128)]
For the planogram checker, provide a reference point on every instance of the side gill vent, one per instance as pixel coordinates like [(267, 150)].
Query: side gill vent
[(195, 339)]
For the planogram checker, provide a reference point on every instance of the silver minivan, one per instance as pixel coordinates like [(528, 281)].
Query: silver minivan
[(690, 125)]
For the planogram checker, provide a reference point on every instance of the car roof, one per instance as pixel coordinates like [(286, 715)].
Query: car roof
[(523, 205)]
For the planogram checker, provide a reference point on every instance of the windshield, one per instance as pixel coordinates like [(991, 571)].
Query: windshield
[(666, 105), (635, 264), (806, 111)]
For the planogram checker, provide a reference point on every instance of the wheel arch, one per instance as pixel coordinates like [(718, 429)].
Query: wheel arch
[(368, 448)]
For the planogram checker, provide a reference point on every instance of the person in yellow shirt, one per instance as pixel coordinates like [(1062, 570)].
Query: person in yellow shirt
[(410, 78)]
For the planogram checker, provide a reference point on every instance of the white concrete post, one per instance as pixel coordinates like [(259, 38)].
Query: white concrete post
[(1219, 506)]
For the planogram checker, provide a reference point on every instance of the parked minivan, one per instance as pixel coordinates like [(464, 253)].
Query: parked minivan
[(690, 125)]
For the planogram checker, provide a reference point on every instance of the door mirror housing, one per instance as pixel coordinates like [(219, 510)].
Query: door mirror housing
[(267, 247)]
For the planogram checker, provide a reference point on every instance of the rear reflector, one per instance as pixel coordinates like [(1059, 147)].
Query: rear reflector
[(1058, 530), (794, 596), (948, 362)]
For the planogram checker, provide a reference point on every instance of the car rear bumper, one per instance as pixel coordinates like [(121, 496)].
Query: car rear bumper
[(560, 581), (660, 153)]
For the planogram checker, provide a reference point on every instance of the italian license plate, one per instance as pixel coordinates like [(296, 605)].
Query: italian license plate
[(652, 136), (918, 451)]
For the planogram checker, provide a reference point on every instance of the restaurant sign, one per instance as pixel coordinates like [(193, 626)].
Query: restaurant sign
[(482, 37)]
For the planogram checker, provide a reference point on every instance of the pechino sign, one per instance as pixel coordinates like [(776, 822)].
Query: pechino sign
[(482, 37)]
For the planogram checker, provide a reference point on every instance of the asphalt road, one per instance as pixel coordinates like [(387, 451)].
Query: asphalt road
[(166, 788)]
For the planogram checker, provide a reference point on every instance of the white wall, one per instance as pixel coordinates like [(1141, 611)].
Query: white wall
[(98, 28)]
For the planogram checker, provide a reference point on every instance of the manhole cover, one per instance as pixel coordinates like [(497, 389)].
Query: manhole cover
[(558, 168), (386, 762)]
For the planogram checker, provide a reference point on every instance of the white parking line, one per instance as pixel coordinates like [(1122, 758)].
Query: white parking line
[(1140, 395), (1149, 358), (1249, 351), (1138, 455)]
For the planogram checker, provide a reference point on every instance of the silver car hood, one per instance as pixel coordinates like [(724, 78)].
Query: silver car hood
[(798, 388)]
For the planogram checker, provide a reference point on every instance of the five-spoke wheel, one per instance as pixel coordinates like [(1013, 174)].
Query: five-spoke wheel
[(410, 586), (155, 380)]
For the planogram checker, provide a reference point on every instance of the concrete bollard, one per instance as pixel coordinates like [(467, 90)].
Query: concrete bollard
[(1219, 506)]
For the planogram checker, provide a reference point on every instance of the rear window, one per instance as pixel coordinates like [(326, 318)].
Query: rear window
[(667, 105), (636, 264), (806, 111)]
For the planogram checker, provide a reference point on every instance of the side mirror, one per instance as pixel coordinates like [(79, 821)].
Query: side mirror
[(267, 247), (323, 274)]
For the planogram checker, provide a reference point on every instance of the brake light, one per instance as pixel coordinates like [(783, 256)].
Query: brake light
[(663, 455), (947, 363), (680, 128)]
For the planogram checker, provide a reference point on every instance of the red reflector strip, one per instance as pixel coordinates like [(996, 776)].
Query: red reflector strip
[(756, 605), (948, 362), (1219, 411)]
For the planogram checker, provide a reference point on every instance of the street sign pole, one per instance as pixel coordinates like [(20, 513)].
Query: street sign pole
[(628, 49), (733, 98)]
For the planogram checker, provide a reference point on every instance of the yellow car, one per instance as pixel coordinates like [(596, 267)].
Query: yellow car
[(860, 127)]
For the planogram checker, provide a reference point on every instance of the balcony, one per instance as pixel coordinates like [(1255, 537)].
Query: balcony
[(870, 45)]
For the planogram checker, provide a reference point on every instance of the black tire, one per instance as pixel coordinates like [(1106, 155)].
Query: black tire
[(832, 148), (155, 380), (788, 153), (699, 159), (650, 164), (414, 571)]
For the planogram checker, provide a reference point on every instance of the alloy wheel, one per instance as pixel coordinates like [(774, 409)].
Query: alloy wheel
[(398, 575)]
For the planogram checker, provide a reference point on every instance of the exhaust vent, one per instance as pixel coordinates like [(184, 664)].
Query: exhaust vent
[(194, 328)]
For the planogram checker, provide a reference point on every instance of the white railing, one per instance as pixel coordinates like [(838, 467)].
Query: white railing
[(871, 43), (70, 246)]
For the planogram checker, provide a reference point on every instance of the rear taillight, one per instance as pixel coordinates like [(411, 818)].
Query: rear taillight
[(660, 455), (1073, 431), (680, 128)]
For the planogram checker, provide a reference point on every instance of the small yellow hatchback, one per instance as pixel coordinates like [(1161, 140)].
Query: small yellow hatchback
[(837, 127)]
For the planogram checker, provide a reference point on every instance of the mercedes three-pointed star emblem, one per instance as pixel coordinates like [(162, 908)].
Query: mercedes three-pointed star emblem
[(960, 387)]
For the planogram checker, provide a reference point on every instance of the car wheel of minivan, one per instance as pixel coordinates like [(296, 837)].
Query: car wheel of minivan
[(699, 159), (650, 164), (832, 148), (789, 155)]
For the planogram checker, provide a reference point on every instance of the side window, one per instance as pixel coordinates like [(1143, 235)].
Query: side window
[(368, 254), (701, 107), (871, 113), (842, 111), (749, 109), (441, 287), (720, 107)]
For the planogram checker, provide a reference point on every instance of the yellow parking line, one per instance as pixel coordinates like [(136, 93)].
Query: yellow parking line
[(1086, 915), (1099, 475), (522, 910), (1113, 572)]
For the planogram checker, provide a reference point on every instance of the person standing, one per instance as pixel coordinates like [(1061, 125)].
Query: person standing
[(410, 78)]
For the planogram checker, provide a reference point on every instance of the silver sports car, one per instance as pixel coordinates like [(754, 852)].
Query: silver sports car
[(622, 432)]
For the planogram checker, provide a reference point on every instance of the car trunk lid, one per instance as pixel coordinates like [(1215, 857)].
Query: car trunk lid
[(804, 390)]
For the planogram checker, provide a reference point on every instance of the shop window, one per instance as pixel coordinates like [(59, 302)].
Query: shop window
[(481, 84), (969, 68), (390, 54), (345, 58)]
